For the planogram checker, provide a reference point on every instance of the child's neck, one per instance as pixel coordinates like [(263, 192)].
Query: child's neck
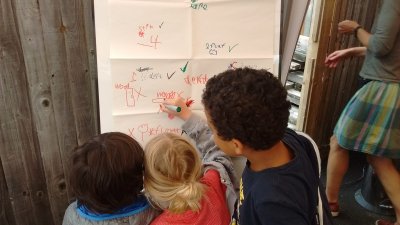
[(277, 155)]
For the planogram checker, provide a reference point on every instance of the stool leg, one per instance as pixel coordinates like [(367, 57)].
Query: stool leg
[(338, 163), (390, 179)]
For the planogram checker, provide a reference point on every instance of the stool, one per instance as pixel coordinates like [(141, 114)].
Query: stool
[(372, 196)]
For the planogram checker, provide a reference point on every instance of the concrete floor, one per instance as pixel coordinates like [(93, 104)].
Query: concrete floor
[(351, 212)]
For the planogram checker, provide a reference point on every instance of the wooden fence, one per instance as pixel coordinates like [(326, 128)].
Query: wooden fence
[(48, 104)]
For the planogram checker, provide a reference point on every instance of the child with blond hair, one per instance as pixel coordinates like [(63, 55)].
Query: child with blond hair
[(190, 189)]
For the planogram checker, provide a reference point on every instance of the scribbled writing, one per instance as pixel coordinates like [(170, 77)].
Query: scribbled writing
[(148, 33), (144, 28), (152, 43), (232, 66), (146, 74), (140, 69), (151, 76), (169, 94), (145, 131), (161, 96), (198, 5), (214, 47), (196, 79), (132, 93)]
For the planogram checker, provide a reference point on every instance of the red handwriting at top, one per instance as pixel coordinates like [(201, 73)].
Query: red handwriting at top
[(149, 34), (144, 28), (196, 79)]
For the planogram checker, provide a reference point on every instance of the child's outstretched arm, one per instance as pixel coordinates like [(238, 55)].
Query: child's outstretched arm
[(197, 129), (213, 158)]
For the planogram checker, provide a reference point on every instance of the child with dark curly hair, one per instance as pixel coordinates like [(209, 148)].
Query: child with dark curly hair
[(248, 111), (107, 179)]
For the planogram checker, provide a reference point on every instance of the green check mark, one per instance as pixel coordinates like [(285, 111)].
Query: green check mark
[(183, 69)]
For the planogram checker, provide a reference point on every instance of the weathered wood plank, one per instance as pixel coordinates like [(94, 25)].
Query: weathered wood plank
[(61, 101), (48, 103), (33, 23), (6, 213), (19, 150), (88, 19), (80, 82)]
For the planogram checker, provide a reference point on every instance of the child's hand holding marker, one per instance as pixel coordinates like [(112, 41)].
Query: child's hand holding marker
[(176, 107), (173, 108)]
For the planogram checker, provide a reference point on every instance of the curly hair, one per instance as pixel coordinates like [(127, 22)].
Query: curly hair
[(172, 173), (248, 105), (107, 172)]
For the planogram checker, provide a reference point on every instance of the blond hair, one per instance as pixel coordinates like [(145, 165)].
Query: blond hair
[(172, 173)]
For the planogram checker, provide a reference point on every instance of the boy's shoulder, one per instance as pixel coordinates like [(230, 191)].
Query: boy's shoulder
[(293, 137), (300, 142)]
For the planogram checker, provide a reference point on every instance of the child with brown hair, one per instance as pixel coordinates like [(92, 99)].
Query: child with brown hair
[(190, 189), (107, 178)]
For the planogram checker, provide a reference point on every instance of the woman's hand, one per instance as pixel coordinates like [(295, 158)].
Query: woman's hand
[(334, 58), (347, 26), (179, 108)]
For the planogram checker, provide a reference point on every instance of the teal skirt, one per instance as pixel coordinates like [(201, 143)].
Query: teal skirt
[(370, 122)]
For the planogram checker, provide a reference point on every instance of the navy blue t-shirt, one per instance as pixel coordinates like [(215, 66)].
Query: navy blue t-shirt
[(283, 195)]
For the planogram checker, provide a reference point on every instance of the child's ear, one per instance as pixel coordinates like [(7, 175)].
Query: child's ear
[(238, 146)]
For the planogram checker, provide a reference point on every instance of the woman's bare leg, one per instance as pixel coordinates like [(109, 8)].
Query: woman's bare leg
[(390, 179), (338, 163)]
